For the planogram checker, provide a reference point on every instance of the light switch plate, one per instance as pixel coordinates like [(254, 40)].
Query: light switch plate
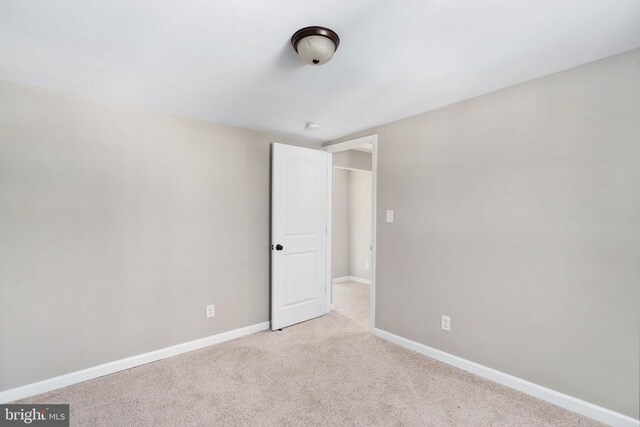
[(389, 216)]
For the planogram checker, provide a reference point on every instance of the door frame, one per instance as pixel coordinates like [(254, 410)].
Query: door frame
[(343, 146)]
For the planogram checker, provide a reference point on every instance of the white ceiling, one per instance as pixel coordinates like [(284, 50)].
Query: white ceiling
[(230, 61)]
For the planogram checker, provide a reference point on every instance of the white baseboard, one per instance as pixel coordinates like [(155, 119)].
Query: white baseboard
[(351, 279), (359, 280), (126, 363), (573, 404)]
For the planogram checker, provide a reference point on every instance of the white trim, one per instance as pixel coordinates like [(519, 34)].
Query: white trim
[(351, 169), (126, 363), (374, 222), (371, 140), (350, 145), (360, 280), (573, 404), (328, 298), (351, 279), (364, 149)]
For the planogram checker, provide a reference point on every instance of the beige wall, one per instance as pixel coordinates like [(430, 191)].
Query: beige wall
[(351, 224), (117, 227), (351, 228), (517, 213), (352, 159), (340, 224), (360, 224)]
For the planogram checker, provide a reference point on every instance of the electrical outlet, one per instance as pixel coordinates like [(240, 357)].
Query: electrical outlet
[(446, 323), (366, 265), (211, 311)]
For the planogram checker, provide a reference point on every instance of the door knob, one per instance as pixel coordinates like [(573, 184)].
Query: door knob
[(279, 247)]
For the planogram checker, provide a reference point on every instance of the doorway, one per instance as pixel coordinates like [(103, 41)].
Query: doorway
[(351, 224)]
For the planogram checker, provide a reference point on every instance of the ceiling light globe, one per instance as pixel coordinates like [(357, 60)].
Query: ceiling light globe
[(315, 45), (316, 50)]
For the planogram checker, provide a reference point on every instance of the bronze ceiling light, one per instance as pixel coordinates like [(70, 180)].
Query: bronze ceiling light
[(315, 45)]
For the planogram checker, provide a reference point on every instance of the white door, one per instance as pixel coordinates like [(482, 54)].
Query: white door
[(299, 234)]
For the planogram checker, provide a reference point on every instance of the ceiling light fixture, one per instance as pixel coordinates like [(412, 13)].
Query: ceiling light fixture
[(312, 126), (315, 45)]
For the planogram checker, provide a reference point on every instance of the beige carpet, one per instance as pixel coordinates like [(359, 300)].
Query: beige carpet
[(328, 371)]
